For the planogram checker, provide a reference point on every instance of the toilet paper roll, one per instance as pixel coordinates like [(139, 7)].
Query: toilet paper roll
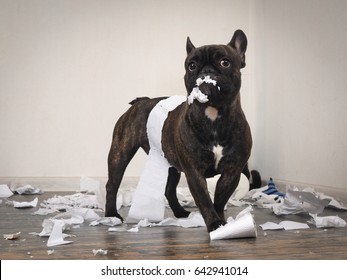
[(149, 200), (242, 227)]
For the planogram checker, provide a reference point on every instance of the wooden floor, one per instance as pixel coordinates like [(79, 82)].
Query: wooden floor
[(173, 242)]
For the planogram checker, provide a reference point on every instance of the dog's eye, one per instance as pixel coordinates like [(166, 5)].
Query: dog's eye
[(192, 66), (225, 63)]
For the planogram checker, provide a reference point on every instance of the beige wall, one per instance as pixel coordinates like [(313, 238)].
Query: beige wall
[(69, 68)]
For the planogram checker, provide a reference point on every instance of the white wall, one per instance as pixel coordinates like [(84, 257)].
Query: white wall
[(301, 91), (69, 68)]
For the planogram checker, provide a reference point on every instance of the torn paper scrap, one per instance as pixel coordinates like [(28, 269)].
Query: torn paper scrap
[(25, 204), (11, 236), (70, 218), (47, 227), (69, 201), (91, 185), (106, 221), (74, 216), (334, 203), (134, 229), (5, 191), (117, 229), (56, 237), (99, 252), (297, 201), (243, 227), (327, 221), (78, 216), (48, 224), (28, 189), (286, 225), (194, 219), (44, 211)]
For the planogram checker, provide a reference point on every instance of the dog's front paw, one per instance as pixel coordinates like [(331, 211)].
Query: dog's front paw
[(215, 225)]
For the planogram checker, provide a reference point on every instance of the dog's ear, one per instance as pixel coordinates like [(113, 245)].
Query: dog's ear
[(189, 46), (239, 43)]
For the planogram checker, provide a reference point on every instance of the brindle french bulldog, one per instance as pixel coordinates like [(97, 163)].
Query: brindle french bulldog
[(201, 138)]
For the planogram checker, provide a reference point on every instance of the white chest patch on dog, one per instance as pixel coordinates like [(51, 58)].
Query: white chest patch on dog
[(211, 113), (218, 154)]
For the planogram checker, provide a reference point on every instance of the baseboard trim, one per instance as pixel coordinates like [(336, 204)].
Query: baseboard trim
[(55, 184), (64, 184)]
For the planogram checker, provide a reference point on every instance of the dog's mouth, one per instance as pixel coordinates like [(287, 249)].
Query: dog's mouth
[(205, 89)]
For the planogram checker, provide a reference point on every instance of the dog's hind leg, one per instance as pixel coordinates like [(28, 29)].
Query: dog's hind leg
[(130, 133), (117, 163), (171, 194), (123, 148)]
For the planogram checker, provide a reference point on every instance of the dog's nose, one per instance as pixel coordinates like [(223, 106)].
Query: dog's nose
[(208, 69)]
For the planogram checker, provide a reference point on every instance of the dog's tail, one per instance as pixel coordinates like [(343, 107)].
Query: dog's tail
[(255, 180), (138, 99), (253, 177)]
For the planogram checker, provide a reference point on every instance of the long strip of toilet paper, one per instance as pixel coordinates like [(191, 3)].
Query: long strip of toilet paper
[(149, 201)]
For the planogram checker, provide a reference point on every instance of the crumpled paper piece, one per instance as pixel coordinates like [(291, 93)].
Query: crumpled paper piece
[(11, 236), (69, 201), (327, 221), (100, 252), (74, 216), (334, 203), (286, 225), (56, 236), (300, 201), (91, 185), (78, 215), (243, 226), (5, 191), (44, 211), (106, 221), (25, 204), (28, 189), (193, 220), (55, 227)]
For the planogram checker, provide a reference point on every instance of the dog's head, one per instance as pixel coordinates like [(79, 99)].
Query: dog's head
[(221, 65)]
